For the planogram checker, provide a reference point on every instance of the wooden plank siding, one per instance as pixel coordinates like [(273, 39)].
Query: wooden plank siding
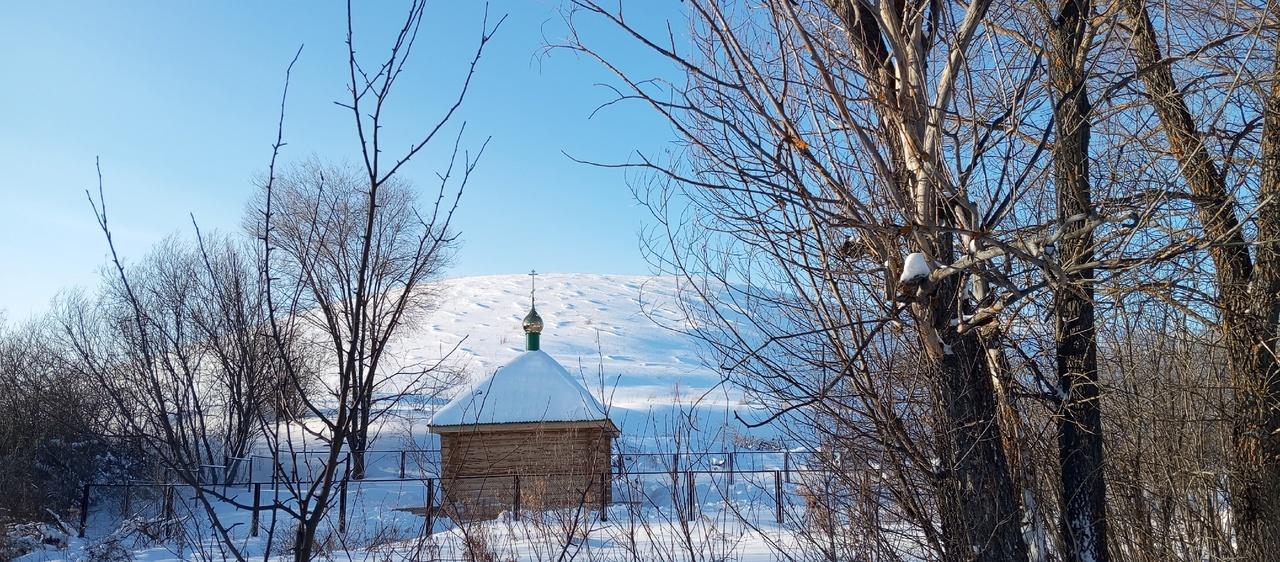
[(558, 465)]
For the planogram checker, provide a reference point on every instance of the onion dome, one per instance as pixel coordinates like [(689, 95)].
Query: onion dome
[(533, 322)]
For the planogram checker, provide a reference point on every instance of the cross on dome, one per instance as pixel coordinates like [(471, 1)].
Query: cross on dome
[(532, 322)]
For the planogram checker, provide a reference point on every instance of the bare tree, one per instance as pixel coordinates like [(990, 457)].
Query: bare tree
[(52, 427), (207, 319), (229, 315), (1168, 435), (837, 161), (340, 264), (1080, 434), (847, 165), (137, 343), (360, 267), (1245, 262), (319, 228)]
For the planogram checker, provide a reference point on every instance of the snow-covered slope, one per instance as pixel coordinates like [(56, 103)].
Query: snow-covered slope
[(618, 335)]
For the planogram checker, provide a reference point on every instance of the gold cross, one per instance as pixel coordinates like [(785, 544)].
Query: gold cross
[(533, 286)]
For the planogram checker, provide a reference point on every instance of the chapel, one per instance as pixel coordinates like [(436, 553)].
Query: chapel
[(528, 436)]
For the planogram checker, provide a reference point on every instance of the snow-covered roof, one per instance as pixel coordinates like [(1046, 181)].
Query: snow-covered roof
[(531, 388)]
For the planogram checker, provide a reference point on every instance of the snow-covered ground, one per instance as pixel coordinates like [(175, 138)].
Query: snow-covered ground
[(649, 520), (619, 323), (613, 333), (618, 333)]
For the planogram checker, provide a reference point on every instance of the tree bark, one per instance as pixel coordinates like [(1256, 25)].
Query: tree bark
[(981, 514), (980, 511), (1080, 447)]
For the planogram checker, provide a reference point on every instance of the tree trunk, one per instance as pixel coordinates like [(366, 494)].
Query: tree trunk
[(357, 444), (1247, 291), (980, 512), (1080, 450), (1256, 495), (979, 506)]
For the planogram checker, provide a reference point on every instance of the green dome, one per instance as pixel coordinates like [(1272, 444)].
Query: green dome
[(533, 322)]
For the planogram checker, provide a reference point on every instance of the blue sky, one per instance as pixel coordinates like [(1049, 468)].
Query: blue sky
[(180, 99)]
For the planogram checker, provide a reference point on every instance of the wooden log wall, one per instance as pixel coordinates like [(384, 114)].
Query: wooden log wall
[(557, 467)]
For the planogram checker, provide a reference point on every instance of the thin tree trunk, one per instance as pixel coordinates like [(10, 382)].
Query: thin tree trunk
[(1080, 447), (357, 441)]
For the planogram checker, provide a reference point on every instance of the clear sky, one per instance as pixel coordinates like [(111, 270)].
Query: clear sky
[(180, 100)]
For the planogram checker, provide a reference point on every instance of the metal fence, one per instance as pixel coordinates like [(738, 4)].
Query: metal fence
[(686, 478), (425, 463)]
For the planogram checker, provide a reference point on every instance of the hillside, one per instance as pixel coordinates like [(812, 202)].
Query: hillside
[(624, 327)]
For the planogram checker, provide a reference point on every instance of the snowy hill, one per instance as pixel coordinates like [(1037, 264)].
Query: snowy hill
[(617, 325)]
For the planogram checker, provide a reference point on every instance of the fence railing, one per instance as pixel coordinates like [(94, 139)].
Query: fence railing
[(683, 490), (424, 463), (677, 467), (716, 460)]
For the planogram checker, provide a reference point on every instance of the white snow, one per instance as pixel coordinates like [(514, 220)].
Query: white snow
[(914, 268), (533, 387), (731, 523), (619, 335), (612, 344)]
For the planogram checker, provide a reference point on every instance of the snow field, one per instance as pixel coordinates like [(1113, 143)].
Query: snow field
[(617, 336)]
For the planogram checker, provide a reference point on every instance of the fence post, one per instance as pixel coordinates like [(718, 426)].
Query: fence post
[(691, 492), (257, 499), (431, 505), (84, 508), (606, 483), (786, 465), (515, 500), (128, 500), (342, 506), (675, 462), (777, 495), (168, 501), (249, 475), (731, 455), (402, 454)]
